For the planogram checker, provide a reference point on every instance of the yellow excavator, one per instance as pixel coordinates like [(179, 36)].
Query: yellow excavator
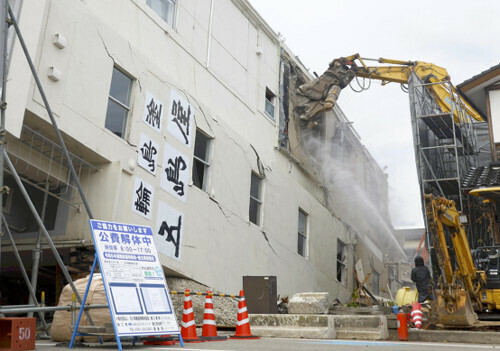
[(466, 290)]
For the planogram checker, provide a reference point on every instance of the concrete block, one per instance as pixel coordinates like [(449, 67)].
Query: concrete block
[(373, 310), (362, 327), (392, 322), (293, 326), (309, 303)]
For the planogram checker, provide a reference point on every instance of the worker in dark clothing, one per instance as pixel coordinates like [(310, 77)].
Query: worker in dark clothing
[(421, 276)]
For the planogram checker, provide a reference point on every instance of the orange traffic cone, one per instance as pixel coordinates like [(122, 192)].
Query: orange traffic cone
[(243, 324), (188, 329), (162, 340), (209, 330)]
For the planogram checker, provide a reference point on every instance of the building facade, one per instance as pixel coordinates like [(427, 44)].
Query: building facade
[(178, 115)]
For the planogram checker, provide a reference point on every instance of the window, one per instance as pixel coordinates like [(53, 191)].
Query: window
[(164, 8), (200, 162), (270, 97), (118, 103), (375, 283), (302, 237), (393, 276), (255, 199), (341, 262)]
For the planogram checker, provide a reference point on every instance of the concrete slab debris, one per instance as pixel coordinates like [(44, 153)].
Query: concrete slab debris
[(309, 303)]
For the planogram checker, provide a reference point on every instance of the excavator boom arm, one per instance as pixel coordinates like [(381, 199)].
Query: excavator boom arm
[(454, 301), (443, 213), (433, 76)]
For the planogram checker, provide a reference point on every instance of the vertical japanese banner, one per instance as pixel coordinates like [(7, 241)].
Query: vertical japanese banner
[(180, 118), (147, 154), (169, 229), (142, 199), (135, 285), (175, 172), (153, 112)]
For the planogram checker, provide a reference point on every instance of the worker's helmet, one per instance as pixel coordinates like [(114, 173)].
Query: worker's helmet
[(419, 261)]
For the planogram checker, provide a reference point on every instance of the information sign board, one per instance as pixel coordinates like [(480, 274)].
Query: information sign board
[(136, 288)]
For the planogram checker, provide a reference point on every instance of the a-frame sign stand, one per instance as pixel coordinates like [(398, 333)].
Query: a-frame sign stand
[(136, 289)]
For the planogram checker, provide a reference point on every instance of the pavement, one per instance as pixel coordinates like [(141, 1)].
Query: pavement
[(309, 330), (367, 327), (274, 344)]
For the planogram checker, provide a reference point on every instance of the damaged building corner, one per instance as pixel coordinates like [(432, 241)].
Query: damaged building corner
[(354, 187)]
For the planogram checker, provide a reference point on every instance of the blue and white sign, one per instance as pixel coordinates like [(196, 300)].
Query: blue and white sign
[(136, 289)]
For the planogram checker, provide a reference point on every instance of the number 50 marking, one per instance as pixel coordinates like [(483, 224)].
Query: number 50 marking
[(24, 333)]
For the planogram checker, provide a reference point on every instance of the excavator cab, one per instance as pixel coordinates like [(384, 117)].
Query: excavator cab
[(490, 264)]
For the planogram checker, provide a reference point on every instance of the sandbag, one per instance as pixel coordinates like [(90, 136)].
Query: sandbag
[(61, 324)]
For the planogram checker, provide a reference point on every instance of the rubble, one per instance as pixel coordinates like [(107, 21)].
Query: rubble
[(225, 308)]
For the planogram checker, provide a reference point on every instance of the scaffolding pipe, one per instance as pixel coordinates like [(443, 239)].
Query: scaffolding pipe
[(37, 251), (15, 306), (21, 310), (3, 105), (42, 227), (23, 271), (66, 155)]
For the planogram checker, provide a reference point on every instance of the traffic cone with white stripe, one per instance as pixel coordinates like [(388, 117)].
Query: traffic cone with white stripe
[(209, 329), (243, 323), (188, 329), (417, 315)]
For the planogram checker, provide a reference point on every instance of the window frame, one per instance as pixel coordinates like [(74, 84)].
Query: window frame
[(125, 107), (173, 14), (259, 200), (271, 103), (205, 163), (303, 235), (341, 265)]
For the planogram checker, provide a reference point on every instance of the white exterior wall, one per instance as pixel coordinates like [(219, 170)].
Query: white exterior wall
[(211, 60), (494, 98)]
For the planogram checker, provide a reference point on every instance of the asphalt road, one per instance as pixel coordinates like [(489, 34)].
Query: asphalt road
[(273, 344)]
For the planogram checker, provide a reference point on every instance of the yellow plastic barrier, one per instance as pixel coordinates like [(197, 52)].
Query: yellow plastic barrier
[(406, 296)]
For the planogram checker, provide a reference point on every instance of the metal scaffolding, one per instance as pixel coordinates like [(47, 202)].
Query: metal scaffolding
[(43, 162), (446, 147)]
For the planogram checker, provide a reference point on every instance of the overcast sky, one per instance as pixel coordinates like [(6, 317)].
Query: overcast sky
[(461, 36)]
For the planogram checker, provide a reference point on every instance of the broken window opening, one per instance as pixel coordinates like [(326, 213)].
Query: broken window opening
[(270, 100), (375, 283), (302, 233), (165, 9), (393, 277), (118, 102), (255, 199), (201, 160), (341, 262)]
